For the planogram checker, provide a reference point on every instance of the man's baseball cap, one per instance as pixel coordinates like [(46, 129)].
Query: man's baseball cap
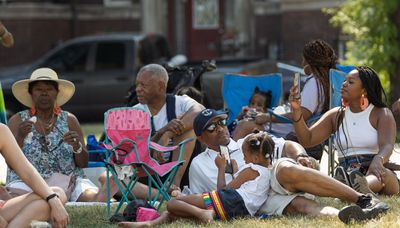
[(204, 118)]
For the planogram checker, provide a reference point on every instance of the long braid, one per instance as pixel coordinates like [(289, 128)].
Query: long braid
[(321, 57)]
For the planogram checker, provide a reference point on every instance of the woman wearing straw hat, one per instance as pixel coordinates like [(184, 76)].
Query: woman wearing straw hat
[(51, 138)]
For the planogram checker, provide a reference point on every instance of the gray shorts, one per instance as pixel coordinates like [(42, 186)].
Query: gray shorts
[(279, 198)]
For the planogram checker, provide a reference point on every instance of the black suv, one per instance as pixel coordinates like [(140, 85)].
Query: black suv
[(102, 67)]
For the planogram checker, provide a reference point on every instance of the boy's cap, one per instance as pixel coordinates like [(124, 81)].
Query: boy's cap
[(204, 118)]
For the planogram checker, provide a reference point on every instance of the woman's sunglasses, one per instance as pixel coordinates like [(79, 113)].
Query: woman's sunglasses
[(211, 127)]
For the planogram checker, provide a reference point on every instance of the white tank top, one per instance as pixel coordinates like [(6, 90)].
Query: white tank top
[(362, 137), (255, 192)]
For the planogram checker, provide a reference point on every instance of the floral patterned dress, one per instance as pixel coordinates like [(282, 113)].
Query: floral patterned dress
[(48, 153)]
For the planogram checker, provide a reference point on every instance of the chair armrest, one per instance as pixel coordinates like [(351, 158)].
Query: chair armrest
[(185, 141), (280, 118), (160, 148)]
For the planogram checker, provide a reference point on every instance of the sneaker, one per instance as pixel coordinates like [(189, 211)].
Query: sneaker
[(368, 207), (359, 183), (341, 175)]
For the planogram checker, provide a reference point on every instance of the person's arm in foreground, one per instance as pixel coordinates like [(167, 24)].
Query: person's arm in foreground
[(18, 162), (6, 38)]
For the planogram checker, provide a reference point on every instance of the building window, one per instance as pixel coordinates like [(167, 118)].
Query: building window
[(205, 14)]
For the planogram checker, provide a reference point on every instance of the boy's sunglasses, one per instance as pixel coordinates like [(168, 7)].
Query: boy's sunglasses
[(211, 128)]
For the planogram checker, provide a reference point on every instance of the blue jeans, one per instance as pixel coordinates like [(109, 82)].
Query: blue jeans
[(360, 162)]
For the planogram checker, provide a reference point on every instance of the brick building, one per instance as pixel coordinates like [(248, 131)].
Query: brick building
[(274, 29)]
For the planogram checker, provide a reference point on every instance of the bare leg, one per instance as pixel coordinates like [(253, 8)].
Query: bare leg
[(186, 154), (21, 210), (14, 192), (164, 218), (389, 185), (139, 190), (100, 196), (244, 128), (191, 206), (296, 178), (304, 206), (4, 195)]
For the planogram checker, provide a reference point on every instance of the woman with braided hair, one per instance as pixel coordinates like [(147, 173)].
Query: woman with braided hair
[(318, 58), (365, 133)]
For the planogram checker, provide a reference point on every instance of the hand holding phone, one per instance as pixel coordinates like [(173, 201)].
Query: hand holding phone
[(225, 153), (296, 82)]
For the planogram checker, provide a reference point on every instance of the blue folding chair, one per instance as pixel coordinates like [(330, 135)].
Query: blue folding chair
[(336, 78), (237, 90)]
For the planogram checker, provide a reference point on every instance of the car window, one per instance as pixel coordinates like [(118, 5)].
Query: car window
[(110, 56), (69, 59)]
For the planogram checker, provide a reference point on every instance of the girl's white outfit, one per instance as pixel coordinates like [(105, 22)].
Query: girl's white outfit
[(255, 192)]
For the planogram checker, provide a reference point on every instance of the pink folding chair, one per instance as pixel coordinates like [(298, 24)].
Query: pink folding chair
[(128, 132)]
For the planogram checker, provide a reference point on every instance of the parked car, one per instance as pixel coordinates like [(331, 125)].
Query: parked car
[(102, 67)]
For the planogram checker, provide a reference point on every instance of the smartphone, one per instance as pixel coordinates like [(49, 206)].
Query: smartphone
[(296, 82), (225, 153)]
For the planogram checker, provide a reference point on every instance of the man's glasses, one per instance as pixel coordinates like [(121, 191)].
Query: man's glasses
[(211, 127)]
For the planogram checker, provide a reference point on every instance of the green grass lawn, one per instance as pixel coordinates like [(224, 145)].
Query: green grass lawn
[(96, 217)]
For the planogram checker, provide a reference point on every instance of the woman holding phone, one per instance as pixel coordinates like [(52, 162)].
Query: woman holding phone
[(365, 133), (318, 58)]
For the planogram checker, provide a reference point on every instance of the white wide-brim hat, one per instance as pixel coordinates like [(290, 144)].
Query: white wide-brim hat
[(66, 89)]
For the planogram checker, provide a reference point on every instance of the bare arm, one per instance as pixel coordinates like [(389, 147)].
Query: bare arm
[(179, 125), (292, 150), (319, 131), (18, 162), (20, 129), (188, 117), (264, 117), (383, 121), (6, 38), (75, 132), (244, 176)]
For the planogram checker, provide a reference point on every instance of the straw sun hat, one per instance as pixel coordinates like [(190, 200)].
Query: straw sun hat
[(66, 88)]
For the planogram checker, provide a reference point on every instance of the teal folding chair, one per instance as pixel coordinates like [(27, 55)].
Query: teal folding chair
[(128, 132), (336, 78)]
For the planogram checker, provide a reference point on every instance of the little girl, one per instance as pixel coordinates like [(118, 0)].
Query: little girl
[(259, 102), (243, 196)]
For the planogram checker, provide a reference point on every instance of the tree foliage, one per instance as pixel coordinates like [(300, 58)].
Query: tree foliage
[(373, 34)]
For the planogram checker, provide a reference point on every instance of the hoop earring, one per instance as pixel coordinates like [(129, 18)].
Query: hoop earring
[(364, 102), (344, 103)]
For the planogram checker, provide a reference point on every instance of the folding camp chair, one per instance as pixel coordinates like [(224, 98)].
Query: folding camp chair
[(128, 131), (336, 79), (3, 113), (237, 90)]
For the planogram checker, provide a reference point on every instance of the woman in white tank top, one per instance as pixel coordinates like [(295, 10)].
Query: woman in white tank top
[(365, 130)]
